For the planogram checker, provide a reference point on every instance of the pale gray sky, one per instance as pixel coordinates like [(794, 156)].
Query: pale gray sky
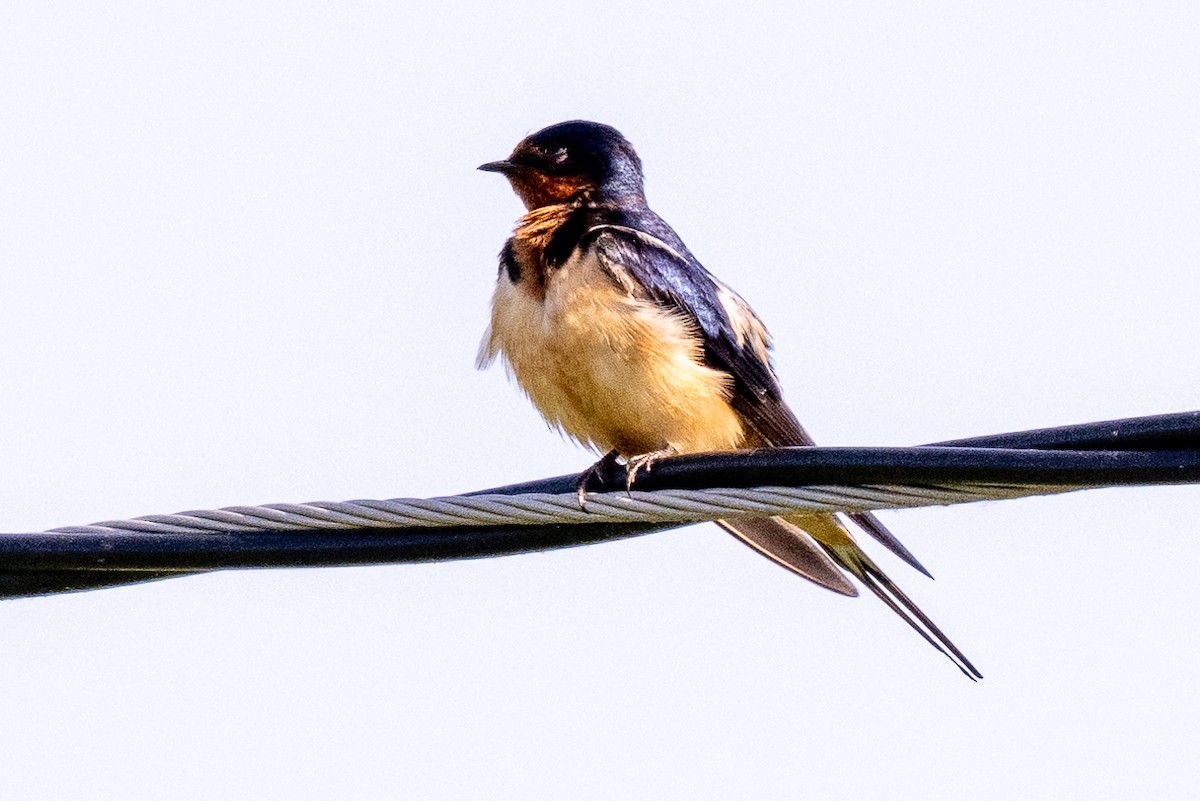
[(247, 258)]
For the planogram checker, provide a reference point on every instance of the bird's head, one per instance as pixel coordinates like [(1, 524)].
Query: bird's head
[(572, 160)]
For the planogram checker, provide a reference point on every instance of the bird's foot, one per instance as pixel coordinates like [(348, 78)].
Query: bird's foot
[(644, 462), (595, 474)]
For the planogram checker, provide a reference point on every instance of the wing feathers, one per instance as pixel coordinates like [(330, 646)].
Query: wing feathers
[(644, 256)]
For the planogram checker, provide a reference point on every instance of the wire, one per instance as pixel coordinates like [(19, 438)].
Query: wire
[(545, 514)]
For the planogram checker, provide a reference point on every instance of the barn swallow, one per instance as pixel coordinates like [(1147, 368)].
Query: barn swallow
[(628, 345)]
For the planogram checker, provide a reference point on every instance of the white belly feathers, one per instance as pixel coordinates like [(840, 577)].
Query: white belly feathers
[(610, 370)]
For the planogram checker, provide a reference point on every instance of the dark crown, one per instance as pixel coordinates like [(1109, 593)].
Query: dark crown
[(590, 150)]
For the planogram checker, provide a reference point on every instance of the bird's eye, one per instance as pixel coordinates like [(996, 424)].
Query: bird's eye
[(560, 156)]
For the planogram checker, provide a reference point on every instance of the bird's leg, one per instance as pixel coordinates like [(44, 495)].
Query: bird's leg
[(597, 472), (644, 462)]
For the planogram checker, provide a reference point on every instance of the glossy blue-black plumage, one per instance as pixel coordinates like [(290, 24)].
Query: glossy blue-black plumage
[(597, 152), (610, 213), (655, 259)]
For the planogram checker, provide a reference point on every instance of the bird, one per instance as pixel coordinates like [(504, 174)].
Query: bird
[(625, 343)]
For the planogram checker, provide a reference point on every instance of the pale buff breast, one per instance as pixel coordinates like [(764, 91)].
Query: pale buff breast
[(610, 370)]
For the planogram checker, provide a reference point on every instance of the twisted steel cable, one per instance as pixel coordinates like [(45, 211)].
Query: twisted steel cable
[(545, 514)]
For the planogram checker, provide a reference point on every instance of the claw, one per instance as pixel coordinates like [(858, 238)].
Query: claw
[(596, 472), (644, 462)]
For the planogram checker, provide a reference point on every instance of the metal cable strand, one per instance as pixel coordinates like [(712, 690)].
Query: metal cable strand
[(530, 516), (662, 506)]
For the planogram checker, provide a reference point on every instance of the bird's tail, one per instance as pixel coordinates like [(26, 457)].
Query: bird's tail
[(815, 545), (788, 545), (827, 530)]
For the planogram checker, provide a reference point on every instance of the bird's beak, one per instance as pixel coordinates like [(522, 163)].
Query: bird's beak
[(504, 166)]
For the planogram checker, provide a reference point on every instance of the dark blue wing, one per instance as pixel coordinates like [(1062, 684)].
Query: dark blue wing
[(655, 261), (648, 255)]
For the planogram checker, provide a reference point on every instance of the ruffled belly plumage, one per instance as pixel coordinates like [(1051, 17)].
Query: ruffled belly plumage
[(610, 370)]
